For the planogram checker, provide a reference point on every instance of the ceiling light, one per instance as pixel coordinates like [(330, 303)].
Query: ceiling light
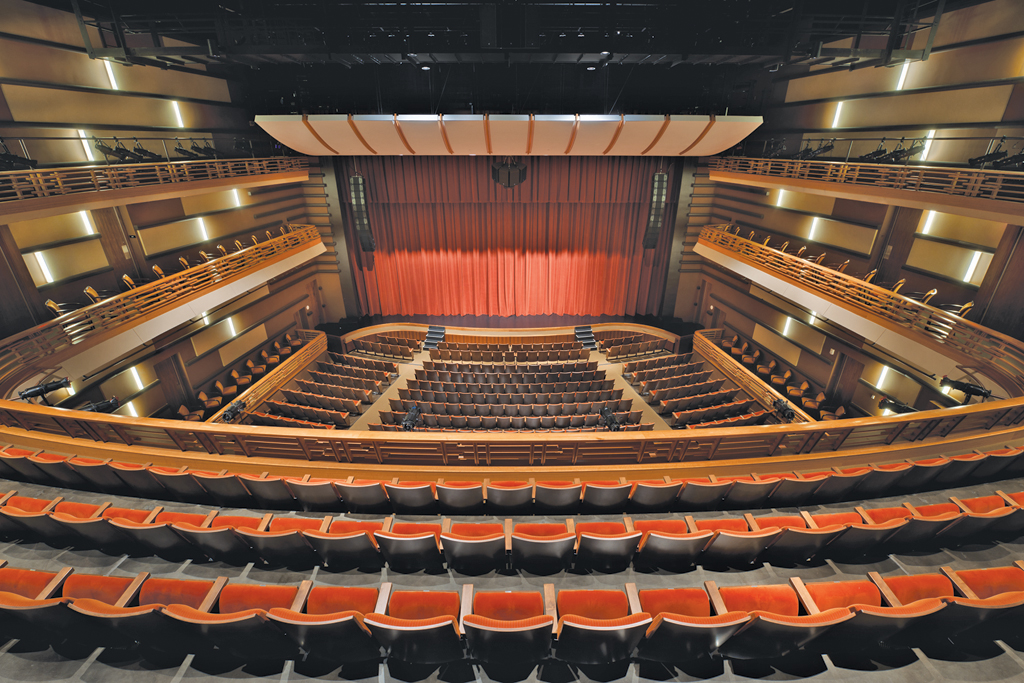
[(785, 330), (591, 68), (881, 376), (84, 215), (231, 326), (85, 145), (928, 223), (970, 269), (138, 380), (778, 200), (579, 35), (42, 266), (903, 75), (814, 227), (927, 145), (425, 68), (202, 229), (177, 114), (605, 53), (839, 109), (110, 75)]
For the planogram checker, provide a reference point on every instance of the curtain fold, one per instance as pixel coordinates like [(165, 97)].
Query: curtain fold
[(450, 241)]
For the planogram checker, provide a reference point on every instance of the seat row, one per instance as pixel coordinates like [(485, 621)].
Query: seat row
[(643, 348), (269, 420), (381, 376), (513, 424), (423, 386), (359, 362), (502, 346), (413, 342), (525, 409), (782, 489), (368, 385), (358, 397), (660, 398), (608, 546), (513, 377), (686, 403), (489, 368), (307, 412), (642, 377), (755, 418), (711, 413), (400, 351), (342, 405), (628, 421), (508, 356), (676, 376), (632, 367)]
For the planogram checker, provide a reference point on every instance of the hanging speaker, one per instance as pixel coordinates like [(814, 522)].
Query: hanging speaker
[(656, 217), (360, 215)]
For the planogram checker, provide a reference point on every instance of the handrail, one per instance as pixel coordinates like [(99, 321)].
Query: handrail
[(1007, 186), (314, 346), (988, 349), (52, 182), (28, 350), (705, 343)]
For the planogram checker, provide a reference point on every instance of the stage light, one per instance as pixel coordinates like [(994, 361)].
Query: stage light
[(411, 418), (108, 406), (232, 411), (610, 420), (605, 53), (967, 388), (783, 410), (895, 406), (40, 390), (995, 155), (508, 173)]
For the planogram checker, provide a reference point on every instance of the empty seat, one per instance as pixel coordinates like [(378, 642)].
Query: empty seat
[(474, 548), (557, 496), (346, 544), (409, 547), (421, 627), (509, 626), (331, 627), (734, 543), (460, 497), (596, 627), (683, 627), (509, 497), (282, 542), (654, 495), (363, 495), (157, 536), (542, 548), (412, 497), (219, 541), (669, 544), (606, 546), (605, 496)]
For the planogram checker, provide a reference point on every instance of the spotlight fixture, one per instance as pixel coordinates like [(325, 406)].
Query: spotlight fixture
[(411, 418), (609, 419), (783, 410), (108, 406), (41, 390), (13, 162), (995, 155), (895, 406), (967, 388), (232, 412), (509, 172)]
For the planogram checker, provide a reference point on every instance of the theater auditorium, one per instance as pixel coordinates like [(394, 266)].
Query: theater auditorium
[(511, 341)]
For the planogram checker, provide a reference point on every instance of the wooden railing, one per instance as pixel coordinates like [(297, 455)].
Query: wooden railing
[(987, 349), (1007, 186), (314, 346), (52, 182), (706, 343), (35, 348)]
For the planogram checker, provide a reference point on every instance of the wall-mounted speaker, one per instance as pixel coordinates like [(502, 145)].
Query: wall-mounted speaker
[(656, 216), (508, 173), (360, 214)]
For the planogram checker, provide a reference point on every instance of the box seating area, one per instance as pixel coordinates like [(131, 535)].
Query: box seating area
[(504, 356), (694, 416), (401, 351), (340, 624), (772, 490), (608, 545)]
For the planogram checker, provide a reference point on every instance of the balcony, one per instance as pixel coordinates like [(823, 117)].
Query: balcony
[(82, 340), (934, 341), (25, 195), (991, 195)]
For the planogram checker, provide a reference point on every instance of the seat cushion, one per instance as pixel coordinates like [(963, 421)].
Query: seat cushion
[(103, 588), (331, 599), (691, 602), (993, 581), (24, 582), (423, 604), (593, 604), (779, 599), (477, 530), (508, 605), (537, 529), (240, 597), (829, 594), (174, 591), (916, 587)]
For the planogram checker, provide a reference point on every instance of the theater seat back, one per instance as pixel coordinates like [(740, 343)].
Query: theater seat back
[(988, 582), (331, 599), (780, 599), (103, 588), (508, 605), (593, 604), (830, 594), (241, 596), (423, 604), (24, 582), (174, 592), (691, 602), (916, 587)]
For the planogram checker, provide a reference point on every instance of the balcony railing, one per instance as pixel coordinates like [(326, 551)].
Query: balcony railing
[(987, 349), (1007, 186), (33, 349), (54, 182)]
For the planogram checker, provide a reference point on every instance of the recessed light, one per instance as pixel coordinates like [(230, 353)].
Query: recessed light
[(605, 53), (425, 68), (591, 68)]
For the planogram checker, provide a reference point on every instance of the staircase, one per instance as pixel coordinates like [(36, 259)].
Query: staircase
[(435, 335), (585, 336)]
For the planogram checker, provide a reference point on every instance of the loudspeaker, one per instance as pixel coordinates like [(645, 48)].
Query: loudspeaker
[(508, 173), (360, 215), (656, 216)]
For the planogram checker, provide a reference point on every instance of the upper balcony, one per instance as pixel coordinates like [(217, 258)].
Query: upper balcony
[(80, 341), (25, 195), (934, 341), (987, 194)]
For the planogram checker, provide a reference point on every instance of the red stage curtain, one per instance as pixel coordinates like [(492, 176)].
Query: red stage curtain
[(450, 241)]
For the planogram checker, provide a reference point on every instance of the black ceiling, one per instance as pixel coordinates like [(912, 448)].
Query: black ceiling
[(655, 56)]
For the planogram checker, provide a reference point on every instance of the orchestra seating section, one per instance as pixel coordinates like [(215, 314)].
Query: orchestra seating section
[(783, 379), (329, 394)]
